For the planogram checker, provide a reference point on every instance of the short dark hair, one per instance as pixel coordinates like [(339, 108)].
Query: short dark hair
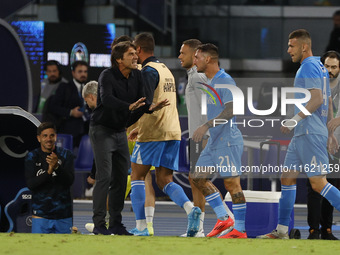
[(145, 41), (45, 125), (330, 54), (192, 43), (79, 63), (300, 34), (52, 63), (118, 51), (209, 48), (123, 38)]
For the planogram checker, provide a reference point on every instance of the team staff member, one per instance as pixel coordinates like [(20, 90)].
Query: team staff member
[(120, 92), (51, 83), (49, 172), (193, 94), (67, 105), (324, 216)]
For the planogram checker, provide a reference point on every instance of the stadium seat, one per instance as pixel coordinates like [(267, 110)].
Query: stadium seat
[(19, 212), (65, 141), (82, 166), (84, 160)]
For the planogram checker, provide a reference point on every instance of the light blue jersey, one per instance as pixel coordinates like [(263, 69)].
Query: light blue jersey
[(310, 132), (313, 75), (222, 135), (225, 145)]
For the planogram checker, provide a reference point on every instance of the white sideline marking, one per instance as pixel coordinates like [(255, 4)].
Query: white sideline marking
[(80, 201)]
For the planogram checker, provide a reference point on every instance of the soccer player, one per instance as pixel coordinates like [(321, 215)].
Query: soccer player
[(150, 197), (193, 98), (224, 147), (307, 150), (158, 140), (49, 173)]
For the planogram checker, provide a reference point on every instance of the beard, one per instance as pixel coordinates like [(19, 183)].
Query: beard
[(82, 80), (333, 76), (56, 80)]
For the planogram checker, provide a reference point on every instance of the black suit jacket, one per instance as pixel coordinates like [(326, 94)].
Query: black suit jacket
[(65, 99)]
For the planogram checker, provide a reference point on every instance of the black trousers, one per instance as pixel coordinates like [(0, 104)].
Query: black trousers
[(112, 159), (320, 211)]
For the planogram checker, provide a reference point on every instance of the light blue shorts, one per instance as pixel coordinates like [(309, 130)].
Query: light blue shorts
[(224, 161), (308, 153), (49, 226), (163, 153)]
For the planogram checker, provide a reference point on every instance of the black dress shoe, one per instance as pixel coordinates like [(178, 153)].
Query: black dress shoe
[(328, 235), (102, 231), (119, 230), (314, 234)]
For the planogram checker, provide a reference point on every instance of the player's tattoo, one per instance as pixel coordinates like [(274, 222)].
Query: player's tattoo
[(205, 186), (238, 198), (226, 114), (209, 189)]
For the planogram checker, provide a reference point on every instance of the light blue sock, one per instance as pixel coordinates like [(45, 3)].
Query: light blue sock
[(332, 194), (286, 204), (240, 216), (216, 203), (138, 199), (176, 193)]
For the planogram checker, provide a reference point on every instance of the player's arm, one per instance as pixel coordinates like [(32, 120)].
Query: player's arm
[(333, 123), (148, 81), (226, 114), (313, 104), (133, 134), (65, 172), (151, 80), (33, 178), (106, 84), (332, 143), (330, 109)]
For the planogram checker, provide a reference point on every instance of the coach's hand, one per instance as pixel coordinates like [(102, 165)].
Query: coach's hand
[(140, 102)]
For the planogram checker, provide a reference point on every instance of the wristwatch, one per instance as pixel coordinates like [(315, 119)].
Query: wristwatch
[(58, 164)]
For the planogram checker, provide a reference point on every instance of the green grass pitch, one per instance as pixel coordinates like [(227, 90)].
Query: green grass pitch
[(35, 244)]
